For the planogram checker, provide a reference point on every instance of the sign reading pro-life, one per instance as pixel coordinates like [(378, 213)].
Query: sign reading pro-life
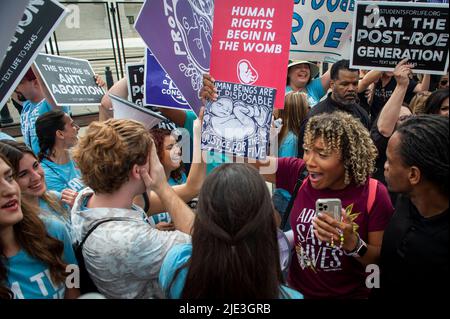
[(386, 32), (70, 81)]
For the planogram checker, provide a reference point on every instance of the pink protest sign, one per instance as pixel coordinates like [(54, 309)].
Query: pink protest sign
[(251, 42)]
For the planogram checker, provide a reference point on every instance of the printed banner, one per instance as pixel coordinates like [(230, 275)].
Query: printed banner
[(238, 123), (124, 109), (321, 30), (178, 32), (387, 32), (70, 81), (135, 80), (159, 88), (251, 43), (38, 22)]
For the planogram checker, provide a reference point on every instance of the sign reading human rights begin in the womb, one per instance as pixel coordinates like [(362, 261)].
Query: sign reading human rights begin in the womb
[(251, 43)]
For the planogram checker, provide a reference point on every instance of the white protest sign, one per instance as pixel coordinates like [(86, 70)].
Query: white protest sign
[(321, 30)]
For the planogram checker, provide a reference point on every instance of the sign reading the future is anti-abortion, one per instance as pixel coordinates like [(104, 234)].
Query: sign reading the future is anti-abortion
[(238, 123), (38, 22), (387, 32), (159, 88), (251, 43), (321, 30), (70, 81), (178, 32)]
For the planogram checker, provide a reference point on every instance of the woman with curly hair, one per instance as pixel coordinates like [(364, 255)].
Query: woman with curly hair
[(331, 255), (34, 253)]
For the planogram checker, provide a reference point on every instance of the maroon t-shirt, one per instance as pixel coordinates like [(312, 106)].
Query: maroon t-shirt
[(316, 270)]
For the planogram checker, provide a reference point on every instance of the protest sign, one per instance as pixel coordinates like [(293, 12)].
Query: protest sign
[(178, 32), (9, 20), (238, 123), (135, 80), (37, 24), (247, 38), (321, 30), (124, 109), (387, 32), (159, 88), (70, 81)]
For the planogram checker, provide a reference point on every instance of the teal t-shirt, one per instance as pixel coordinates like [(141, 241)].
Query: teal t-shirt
[(213, 159), (28, 117), (29, 278), (314, 91), (48, 212), (61, 176), (177, 257), (165, 217), (4, 136)]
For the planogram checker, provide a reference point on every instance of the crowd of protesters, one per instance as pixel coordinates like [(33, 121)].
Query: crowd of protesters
[(148, 226)]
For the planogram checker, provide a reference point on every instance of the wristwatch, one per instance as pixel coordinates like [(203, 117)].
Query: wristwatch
[(360, 249)]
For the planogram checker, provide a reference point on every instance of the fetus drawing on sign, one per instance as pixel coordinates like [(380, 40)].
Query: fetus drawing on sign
[(246, 74), (236, 121)]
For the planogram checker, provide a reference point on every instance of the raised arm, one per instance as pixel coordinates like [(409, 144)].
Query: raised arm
[(194, 181), (391, 110), (155, 181), (120, 88), (371, 77), (325, 79), (424, 85)]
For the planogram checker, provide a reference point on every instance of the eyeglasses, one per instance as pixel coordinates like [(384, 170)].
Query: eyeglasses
[(443, 82)]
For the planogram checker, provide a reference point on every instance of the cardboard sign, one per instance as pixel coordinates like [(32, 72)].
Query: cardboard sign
[(38, 22), (159, 88), (135, 80), (124, 109), (238, 123), (387, 32), (251, 43), (321, 30), (178, 32), (70, 81)]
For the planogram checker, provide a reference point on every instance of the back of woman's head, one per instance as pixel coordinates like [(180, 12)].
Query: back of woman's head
[(294, 113), (46, 127), (417, 104), (108, 151), (341, 131), (434, 101), (425, 144), (235, 249)]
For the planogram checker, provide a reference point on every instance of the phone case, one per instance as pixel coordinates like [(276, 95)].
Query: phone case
[(330, 206)]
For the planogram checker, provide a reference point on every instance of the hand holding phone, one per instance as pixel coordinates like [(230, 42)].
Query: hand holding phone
[(330, 206)]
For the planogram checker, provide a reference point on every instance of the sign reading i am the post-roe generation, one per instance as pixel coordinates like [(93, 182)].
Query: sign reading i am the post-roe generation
[(386, 32), (70, 81)]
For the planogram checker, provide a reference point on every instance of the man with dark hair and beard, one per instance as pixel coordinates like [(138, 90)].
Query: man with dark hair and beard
[(343, 97)]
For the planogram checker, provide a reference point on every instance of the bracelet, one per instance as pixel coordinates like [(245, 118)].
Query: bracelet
[(353, 252)]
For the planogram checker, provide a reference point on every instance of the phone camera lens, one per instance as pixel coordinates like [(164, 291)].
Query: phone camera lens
[(325, 206)]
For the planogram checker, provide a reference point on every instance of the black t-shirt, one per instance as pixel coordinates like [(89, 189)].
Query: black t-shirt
[(329, 106), (382, 94), (414, 254)]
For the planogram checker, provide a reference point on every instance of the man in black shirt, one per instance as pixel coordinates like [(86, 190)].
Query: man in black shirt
[(414, 254), (344, 86)]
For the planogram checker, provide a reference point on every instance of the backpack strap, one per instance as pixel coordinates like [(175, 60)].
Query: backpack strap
[(302, 179), (373, 185), (98, 224)]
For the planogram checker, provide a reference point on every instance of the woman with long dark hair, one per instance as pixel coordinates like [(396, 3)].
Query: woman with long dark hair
[(34, 253), (234, 251)]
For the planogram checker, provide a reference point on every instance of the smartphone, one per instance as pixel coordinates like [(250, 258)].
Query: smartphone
[(330, 206)]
